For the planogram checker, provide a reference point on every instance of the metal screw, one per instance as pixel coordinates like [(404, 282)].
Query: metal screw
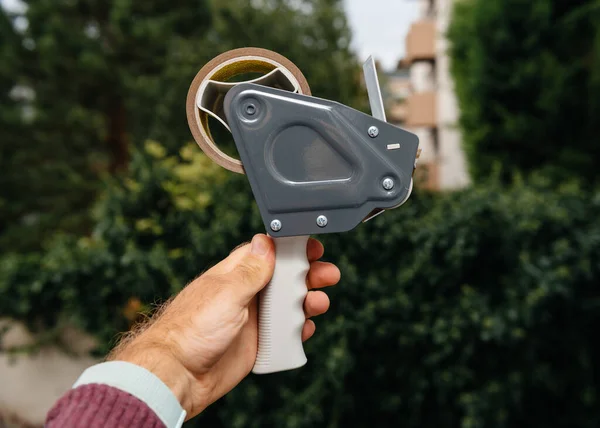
[(275, 225), (321, 221), (387, 183), (250, 109), (373, 131)]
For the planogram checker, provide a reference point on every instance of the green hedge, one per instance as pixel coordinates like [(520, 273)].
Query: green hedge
[(527, 77), (473, 309)]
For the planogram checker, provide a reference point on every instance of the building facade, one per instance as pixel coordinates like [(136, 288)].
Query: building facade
[(431, 109)]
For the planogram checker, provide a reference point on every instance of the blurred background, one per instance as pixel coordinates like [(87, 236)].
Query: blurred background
[(476, 304)]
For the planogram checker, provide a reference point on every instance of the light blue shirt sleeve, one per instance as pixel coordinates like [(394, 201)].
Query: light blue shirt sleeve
[(140, 383)]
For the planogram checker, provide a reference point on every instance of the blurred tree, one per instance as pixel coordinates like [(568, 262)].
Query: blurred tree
[(98, 75), (12, 125), (101, 75), (313, 33), (527, 77)]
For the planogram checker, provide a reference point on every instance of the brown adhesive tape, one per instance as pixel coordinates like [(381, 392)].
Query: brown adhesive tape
[(223, 68)]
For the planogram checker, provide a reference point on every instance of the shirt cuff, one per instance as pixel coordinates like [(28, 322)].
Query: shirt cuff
[(140, 383)]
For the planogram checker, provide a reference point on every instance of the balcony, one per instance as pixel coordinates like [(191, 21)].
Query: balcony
[(422, 110), (420, 41)]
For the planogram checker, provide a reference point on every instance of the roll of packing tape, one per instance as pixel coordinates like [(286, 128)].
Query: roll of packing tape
[(208, 89)]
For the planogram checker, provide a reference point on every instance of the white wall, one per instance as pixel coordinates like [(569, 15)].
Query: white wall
[(426, 144), (453, 166), (422, 77), (31, 384)]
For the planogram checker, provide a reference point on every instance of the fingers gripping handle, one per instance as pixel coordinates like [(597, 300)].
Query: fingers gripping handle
[(281, 309)]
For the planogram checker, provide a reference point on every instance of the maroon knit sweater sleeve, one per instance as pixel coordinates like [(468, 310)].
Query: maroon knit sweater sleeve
[(101, 406)]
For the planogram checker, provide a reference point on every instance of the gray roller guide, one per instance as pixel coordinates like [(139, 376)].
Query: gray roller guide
[(306, 157)]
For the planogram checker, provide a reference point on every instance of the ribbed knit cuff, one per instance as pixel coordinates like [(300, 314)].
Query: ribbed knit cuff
[(140, 383), (101, 406)]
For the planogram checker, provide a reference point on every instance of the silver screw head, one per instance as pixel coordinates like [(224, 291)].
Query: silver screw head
[(321, 221), (387, 183), (373, 131), (275, 225)]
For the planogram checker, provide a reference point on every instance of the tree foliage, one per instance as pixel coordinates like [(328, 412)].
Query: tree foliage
[(99, 75), (527, 77), (474, 309), (104, 75), (313, 33)]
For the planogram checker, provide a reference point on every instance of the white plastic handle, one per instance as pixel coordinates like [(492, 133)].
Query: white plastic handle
[(281, 309)]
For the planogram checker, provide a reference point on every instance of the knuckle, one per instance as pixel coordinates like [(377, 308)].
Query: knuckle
[(215, 285), (249, 272)]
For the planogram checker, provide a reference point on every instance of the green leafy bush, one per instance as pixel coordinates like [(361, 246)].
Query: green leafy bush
[(473, 309), (84, 81), (527, 78)]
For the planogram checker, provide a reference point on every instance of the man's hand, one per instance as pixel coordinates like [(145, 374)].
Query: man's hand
[(205, 341)]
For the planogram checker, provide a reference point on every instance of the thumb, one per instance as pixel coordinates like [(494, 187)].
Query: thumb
[(254, 270)]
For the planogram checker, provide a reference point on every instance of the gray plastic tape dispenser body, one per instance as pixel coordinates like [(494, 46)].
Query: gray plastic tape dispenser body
[(315, 166), (308, 158)]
